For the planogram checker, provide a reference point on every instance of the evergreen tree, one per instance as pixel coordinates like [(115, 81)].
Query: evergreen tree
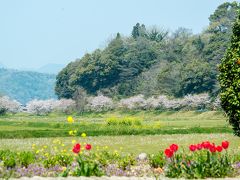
[(230, 79)]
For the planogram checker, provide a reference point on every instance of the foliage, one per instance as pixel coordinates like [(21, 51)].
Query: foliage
[(229, 79), (125, 121), (152, 62), (157, 160)]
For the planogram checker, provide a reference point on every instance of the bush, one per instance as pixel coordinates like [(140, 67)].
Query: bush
[(125, 121)]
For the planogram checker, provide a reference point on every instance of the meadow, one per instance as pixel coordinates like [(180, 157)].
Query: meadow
[(47, 145), (96, 124), (155, 131)]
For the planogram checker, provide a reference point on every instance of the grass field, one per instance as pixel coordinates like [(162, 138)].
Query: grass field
[(55, 125), (158, 130), (126, 144)]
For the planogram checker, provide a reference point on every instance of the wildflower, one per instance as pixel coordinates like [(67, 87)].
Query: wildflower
[(45, 147), (64, 168), (225, 144), (83, 135), (70, 133), (75, 131), (174, 147), (168, 153), (76, 148), (192, 147), (73, 141), (70, 119), (88, 147)]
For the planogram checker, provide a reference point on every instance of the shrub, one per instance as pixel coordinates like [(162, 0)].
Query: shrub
[(126, 121)]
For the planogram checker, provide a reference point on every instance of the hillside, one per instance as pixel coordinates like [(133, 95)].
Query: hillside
[(154, 61), (25, 85)]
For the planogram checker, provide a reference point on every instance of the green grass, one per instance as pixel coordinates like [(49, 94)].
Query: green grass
[(128, 144), (158, 130), (94, 124)]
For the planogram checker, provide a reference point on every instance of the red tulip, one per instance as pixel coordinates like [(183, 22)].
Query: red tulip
[(206, 145), (192, 147), (168, 153), (199, 146), (225, 144), (219, 148), (76, 148), (174, 147), (213, 149), (88, 147)]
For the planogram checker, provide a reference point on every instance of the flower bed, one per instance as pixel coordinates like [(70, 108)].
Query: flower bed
[(201, 160)]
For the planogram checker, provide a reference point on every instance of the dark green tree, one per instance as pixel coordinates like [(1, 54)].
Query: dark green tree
[(139, 31), (230, 79)]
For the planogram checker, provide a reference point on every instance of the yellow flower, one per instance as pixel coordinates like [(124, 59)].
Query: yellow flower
[(73, 141), (83, 135), (70, 133), (45, 147), (64, 168), (37, 151), (63, 144), (75, 131), (70, 119)]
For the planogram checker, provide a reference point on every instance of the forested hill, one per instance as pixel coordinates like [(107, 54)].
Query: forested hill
[(25, 86), (154, 61)]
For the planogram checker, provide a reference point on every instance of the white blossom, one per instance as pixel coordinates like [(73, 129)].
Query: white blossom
[(9, 105), (100, 103)]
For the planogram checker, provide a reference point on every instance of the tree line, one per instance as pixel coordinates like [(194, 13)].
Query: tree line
[(153, 61)]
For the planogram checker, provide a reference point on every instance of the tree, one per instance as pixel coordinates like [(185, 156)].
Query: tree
[(139, 31), (230, 79)]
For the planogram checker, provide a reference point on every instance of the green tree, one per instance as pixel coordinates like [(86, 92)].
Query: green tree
[(230, 79)]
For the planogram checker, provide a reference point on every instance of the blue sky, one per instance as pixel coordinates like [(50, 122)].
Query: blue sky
[(37, 32)]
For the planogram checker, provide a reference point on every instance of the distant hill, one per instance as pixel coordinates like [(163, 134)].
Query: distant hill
[(25, 85), (51, 68), (2, 65)]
